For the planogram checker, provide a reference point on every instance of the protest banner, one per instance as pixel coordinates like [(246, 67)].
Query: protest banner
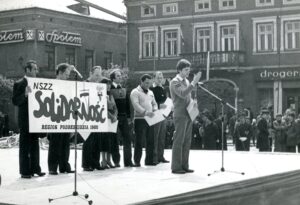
[(52, 105)]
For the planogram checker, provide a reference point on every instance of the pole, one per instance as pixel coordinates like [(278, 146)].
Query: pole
[(207, 65)]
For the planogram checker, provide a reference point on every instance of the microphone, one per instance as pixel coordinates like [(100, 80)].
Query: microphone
[(76, 71)]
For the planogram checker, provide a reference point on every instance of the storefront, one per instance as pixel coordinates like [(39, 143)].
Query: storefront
[(279, 88)]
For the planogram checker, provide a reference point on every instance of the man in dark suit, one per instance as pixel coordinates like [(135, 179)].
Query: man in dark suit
[(29, 150), (181, 89), (123, 105), (59, 143)]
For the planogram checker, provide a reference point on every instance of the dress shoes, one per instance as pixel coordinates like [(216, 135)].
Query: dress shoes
[(99, 168), (189, 170), (40, 174), (88, 169), (178, 172), (137, 165), (164, 161), (151, 164), (25, 176), (70, 171), (117, 165), (53, 173)]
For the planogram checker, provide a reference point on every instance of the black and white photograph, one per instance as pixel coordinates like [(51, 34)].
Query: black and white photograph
[(150, 102)]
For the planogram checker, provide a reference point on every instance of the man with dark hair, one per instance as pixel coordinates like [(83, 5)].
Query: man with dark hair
[(59, 143), (29, 150), (144, 104), (122, 102), (160, 95), (181, 89)]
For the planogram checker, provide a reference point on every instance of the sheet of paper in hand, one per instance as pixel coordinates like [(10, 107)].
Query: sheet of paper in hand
[(192, 109), (166, 111), (52, 105), (158, 117)]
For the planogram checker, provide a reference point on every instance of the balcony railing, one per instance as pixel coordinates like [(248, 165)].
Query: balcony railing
[(217, 58)]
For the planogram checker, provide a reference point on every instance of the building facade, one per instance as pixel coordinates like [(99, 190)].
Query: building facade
[(255, 44), (52, 37)]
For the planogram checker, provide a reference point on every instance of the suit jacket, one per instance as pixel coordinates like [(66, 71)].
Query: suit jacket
[(181, 96), (19, 99)]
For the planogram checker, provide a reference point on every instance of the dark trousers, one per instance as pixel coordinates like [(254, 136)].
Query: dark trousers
[(29, 153), (142, 129), (126, 138), (114, 148), (91, 151), (159, 141), (59, 152)]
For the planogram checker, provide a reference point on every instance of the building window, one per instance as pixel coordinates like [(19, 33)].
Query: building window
[(228, 35), (148, 10), (70, 55), (264, 34), (292, 35), (108, 59), (264, 2), (148, 42), (265, 37), (202, 5), (171, 43), (89, 60), (291, 1), (170, 40), (227, 4), (123, 60), (203, 42), (50, 55), (170, 9)]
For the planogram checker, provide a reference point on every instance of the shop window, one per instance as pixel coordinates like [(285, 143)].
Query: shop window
[(89, 60), (108, 59), (70, 55), (50, 56)]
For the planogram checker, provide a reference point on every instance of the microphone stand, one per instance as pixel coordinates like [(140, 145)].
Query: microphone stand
[(75, 192), (223, 103)]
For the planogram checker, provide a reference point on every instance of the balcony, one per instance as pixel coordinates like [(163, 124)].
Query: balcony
[(217, 59)]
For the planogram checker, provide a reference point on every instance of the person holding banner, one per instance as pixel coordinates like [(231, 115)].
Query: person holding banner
[(110, 140), (29, 150), (91, 146), (144, 104), (123, 105), (180, 90), (59, 143), (160, 95)]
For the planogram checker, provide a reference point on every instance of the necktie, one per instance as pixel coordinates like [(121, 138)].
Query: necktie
[(145, 91), (119, 87)]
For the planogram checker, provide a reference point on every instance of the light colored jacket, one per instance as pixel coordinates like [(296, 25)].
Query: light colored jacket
[(142, 102), (181, 95)]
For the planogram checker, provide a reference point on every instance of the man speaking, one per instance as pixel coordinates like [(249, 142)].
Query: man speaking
[(181, 89)]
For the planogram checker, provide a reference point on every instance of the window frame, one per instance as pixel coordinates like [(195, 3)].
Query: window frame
[(221, 7), (143, 7), (264, 20), (143, 30), (203, 25), (165, 28), (283, 40), (258, 4), (202, 1), (165, 13), (221, 24), (285, 2)]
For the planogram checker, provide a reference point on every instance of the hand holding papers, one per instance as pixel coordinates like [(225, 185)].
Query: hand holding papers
[(193, 109), (167, 108), (156, 118)]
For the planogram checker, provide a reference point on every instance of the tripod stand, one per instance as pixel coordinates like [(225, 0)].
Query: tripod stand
[(222, 134), (75, 192)]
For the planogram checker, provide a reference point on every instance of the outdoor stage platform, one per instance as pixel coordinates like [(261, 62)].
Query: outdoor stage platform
[(139, 185)]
